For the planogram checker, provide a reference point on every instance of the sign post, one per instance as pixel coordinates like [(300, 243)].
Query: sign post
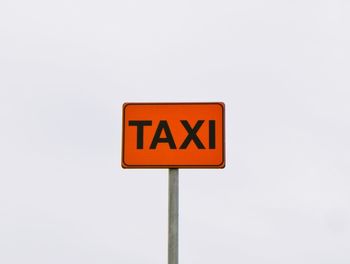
[(173, 136), (173, 224)]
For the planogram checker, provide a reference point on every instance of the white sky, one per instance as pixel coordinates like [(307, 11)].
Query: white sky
[(281, 67)]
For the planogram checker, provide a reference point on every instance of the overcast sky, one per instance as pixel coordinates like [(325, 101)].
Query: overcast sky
[(282, 69)]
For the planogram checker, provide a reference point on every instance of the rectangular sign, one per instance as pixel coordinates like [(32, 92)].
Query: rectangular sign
[(173, 135)]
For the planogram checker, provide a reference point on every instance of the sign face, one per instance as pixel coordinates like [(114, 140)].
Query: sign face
[(173, 135)]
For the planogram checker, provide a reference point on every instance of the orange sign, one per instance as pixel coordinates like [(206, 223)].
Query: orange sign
[(173, 135)]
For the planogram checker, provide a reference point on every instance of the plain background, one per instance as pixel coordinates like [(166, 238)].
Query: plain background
[(281, 67)]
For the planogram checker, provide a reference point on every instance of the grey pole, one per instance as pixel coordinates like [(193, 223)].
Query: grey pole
[(173, 231)]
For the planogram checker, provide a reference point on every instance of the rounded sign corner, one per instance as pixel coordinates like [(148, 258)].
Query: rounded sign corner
[(222, 104), (125, 105), (222, 165), (124, 166)]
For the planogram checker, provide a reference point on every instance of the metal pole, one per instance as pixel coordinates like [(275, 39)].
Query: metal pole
[(173, 231)]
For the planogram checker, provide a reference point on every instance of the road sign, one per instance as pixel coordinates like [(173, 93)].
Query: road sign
[(173, 135)]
